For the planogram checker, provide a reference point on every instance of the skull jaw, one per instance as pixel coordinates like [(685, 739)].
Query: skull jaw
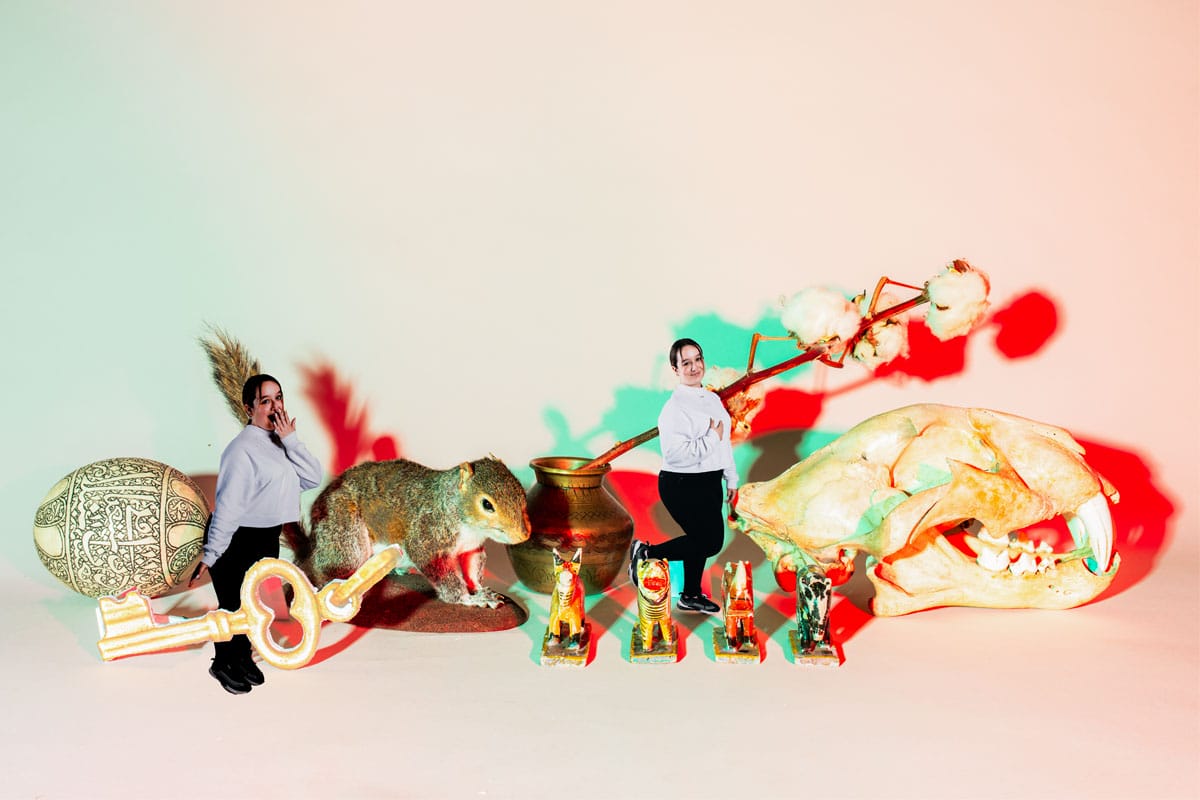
[(938, 575)]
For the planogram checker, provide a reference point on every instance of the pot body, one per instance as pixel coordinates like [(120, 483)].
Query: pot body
[(570, 508)]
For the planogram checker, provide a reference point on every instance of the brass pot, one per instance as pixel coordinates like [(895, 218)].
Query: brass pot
[(570, 508)]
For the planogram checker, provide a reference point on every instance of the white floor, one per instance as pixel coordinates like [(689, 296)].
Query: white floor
[(1094, 702)]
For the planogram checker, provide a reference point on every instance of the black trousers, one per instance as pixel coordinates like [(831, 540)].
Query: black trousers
[(694, 501), (247, 546)]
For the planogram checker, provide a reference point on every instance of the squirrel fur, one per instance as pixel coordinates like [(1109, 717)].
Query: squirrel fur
[(440, 519)]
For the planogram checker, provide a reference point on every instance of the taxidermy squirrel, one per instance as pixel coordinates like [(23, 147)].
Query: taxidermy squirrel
[(440, 519)]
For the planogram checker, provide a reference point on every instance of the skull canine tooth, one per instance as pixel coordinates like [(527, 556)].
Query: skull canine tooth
[(1096, 522)]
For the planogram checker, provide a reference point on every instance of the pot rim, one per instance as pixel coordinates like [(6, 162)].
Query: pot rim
[(567, 465)]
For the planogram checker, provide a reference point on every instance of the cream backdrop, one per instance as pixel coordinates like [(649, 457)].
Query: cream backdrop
[(481, 211)]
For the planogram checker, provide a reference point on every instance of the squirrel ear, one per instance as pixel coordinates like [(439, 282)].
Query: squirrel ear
[(465, 471)]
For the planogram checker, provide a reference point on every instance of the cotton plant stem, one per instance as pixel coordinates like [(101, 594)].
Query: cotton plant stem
[(750, 378)]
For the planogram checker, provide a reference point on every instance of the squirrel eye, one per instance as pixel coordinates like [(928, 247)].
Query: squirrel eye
[(487, 505)]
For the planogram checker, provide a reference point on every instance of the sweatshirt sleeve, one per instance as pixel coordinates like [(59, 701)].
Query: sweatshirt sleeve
[(730, 469), (235, 478), (731, 472), (678, 447), (305, 463)]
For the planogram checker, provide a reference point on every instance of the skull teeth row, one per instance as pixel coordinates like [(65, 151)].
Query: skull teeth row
[(1021, 562), (1090, 526)]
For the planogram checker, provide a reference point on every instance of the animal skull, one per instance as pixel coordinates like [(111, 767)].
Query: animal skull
[(897, 484)]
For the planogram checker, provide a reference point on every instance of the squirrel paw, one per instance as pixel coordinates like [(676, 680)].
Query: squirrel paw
[(484, 597)]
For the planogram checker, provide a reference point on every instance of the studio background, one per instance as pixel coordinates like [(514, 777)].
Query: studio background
[(492, 220)]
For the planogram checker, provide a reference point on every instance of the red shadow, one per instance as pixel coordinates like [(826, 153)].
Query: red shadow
[(1025, 324), (353, 634), (638, 493), (846, 620), (345, 420), (928, 358)]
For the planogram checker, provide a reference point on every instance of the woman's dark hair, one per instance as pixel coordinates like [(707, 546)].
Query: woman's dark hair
[(253, 384), (679, 345)]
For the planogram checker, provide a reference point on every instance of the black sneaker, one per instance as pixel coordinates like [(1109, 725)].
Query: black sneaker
[(637, 552), (250, 672), (697, 602), (229, 677)]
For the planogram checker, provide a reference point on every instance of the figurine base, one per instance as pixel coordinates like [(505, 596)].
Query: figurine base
[(821, 655), (748, 653), (661, 653), (554, 654), (408, 603)]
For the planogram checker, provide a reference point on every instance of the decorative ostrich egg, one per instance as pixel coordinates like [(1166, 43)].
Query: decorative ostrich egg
[(121, 523)]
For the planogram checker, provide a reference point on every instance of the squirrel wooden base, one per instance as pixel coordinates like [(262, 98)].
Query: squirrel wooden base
[(747, 654), (661, 653), (821, 655), (555, 655), (408, 603)]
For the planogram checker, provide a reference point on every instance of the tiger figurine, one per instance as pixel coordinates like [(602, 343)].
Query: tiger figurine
[(654, 602), (566, 603)]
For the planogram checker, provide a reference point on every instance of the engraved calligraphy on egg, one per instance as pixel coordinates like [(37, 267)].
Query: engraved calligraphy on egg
[(121, 523)]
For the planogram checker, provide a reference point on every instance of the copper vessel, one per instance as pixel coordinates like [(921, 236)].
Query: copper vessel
[(569, 508)]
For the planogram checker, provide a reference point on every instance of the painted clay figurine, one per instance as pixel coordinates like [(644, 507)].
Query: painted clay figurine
[(810, 641), (653, 638), (567, 634), (737, 639)]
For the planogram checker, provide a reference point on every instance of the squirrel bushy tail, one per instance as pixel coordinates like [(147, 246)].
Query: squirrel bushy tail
[(231, 366), (298, 540)]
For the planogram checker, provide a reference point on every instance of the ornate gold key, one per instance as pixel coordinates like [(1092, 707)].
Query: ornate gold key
[(127, 625)]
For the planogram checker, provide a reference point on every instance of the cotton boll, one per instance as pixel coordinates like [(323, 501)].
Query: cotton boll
[(816, 315), (717, 378), (957, 300), (882, 343)]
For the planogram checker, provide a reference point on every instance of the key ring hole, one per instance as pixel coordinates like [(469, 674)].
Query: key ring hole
[(279, 594), (302, 609)]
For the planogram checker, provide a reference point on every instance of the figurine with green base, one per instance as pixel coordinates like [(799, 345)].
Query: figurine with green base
[(810, 641)]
